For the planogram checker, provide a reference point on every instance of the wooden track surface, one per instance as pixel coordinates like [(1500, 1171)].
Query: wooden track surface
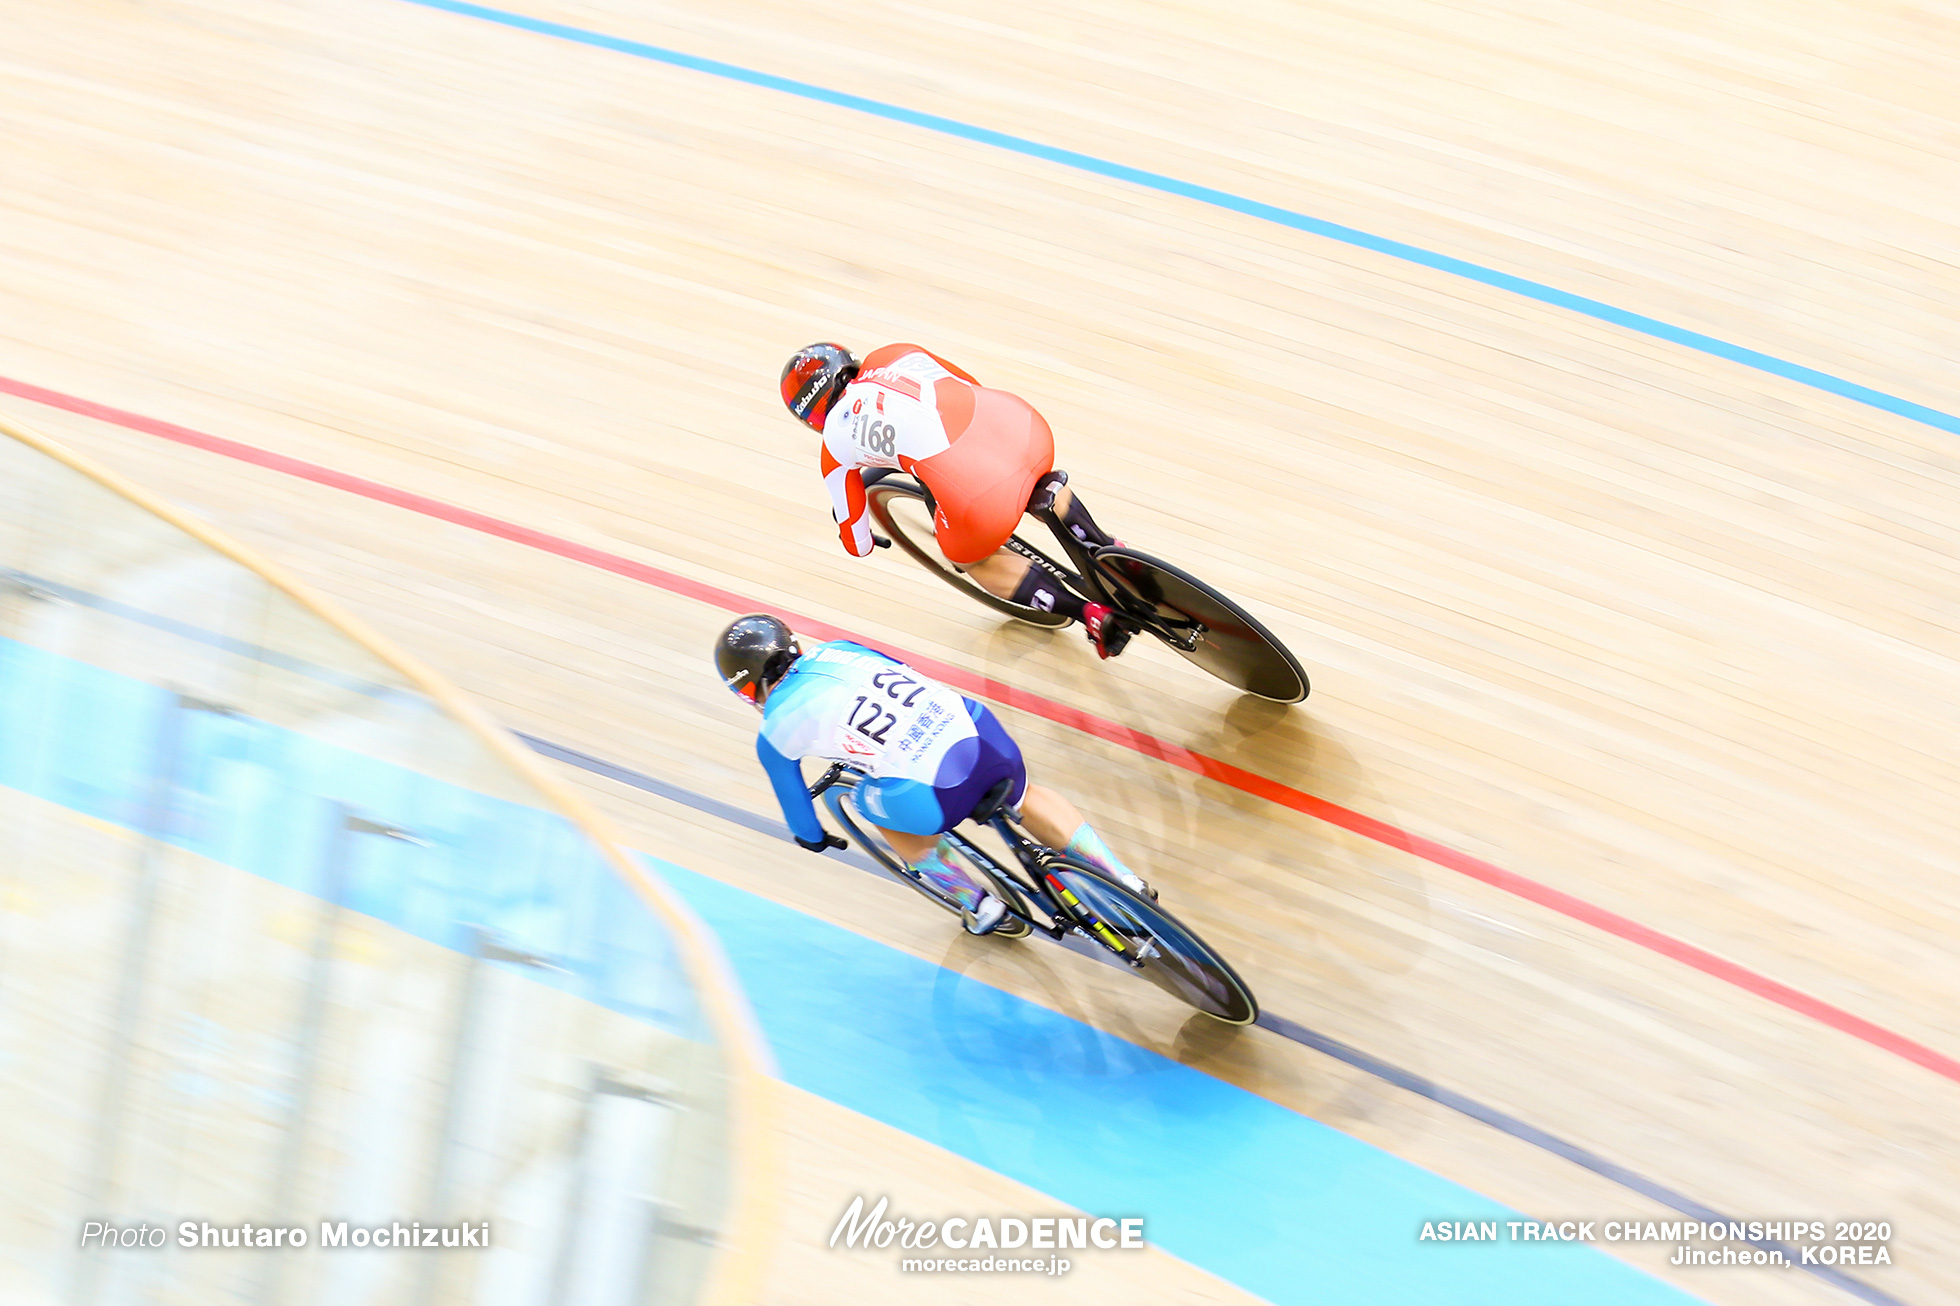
[(1664, 632)]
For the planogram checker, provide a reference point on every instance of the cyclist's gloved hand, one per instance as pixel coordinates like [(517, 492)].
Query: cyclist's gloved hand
[(829, 840)]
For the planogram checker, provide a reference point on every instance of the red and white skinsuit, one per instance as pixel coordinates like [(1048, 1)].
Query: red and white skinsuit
[(979, 451)]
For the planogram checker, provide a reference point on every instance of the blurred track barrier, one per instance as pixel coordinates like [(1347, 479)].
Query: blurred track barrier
[(299, 947)]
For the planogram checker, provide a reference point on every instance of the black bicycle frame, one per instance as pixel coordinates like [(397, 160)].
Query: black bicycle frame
[(1085, 580), (1088, 582), (1033, 856)]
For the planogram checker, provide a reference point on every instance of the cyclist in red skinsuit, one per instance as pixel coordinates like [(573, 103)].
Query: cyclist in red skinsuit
[(980, 452)]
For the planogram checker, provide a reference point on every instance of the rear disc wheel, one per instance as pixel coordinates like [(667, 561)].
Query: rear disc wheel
[(1202, 625)]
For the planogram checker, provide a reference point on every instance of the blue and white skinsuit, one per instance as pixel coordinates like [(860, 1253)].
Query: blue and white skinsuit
[(929, 751)]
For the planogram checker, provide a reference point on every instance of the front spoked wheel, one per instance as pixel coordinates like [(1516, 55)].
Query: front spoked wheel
[(900, 507), (1201, 624), (1152, 942)]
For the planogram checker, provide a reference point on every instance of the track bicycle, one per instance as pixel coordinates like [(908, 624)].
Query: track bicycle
[(1061, 895), (1146, 594)]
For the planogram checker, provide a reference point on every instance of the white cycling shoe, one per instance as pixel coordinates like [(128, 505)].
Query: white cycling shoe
[(986, 916)]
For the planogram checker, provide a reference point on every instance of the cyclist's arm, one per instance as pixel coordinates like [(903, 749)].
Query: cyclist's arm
[(786, 778), (847, 504)]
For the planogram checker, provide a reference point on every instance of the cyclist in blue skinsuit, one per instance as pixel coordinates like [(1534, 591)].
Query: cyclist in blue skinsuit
[(929, 752)]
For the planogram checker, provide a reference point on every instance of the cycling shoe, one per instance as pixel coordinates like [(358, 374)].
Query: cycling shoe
[(1105, 632)]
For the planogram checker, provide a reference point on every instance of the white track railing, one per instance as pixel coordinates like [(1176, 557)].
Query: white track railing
[(295, 938)]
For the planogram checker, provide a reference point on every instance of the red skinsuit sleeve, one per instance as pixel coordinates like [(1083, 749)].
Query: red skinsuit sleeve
[(847, 505)]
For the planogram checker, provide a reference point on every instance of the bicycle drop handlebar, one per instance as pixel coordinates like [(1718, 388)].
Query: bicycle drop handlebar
[(831, 776)]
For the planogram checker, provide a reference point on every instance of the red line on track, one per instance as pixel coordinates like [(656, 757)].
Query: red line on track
[(1149, 745)]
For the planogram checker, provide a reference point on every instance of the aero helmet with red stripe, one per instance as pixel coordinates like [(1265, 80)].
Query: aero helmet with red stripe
[(813, 378)]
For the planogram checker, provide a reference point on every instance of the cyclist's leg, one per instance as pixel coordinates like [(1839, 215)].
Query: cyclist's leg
[(913, 818), (909, 847), (1074, 520), (1048, 816), (906, 812), (1075, 517), (1000, 574), (1055, 821), (1010, 576), (1070, 523), (982, 483)]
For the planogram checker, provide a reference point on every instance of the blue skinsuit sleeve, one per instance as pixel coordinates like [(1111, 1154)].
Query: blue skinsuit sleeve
[(786, 777)]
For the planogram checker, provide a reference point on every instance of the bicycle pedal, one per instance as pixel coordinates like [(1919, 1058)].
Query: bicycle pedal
[(973, 926), (1009, 926)]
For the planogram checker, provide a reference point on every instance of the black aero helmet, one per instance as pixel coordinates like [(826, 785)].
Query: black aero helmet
[(753, 653), (813, 378)]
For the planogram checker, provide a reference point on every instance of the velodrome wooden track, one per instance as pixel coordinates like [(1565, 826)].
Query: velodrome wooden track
[(1665, 632)]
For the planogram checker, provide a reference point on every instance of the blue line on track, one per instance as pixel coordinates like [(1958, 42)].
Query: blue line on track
[(1157, 181), (1292, 1030)]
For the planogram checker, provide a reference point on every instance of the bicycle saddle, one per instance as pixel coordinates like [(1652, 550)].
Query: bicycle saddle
[(991, 802), (1044, 494)]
